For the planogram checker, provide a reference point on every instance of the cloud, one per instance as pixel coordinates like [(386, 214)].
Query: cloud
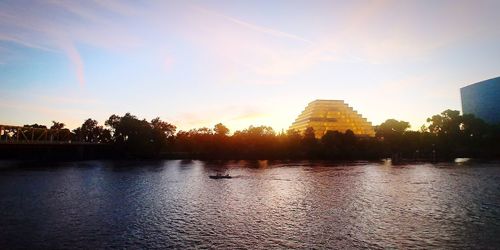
[(393, 31), (58, 26), (261, 29), (246, 53), (11, 38), (75, 59), (370, 33), (239, 50)]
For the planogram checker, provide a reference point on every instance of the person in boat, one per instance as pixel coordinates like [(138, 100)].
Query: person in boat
[(220, 176)]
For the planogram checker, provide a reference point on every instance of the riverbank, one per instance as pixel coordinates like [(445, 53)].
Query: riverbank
[(96, 151)]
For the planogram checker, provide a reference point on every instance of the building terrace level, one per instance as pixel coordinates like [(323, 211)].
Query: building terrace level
[(334, 115)]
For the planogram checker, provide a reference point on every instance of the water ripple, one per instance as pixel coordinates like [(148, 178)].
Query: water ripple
[(174, 204)]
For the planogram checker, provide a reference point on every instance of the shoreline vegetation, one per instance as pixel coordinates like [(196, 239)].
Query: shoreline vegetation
[(446, 136)]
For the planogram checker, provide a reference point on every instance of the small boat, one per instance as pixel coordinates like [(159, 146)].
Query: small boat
[(219, 176)]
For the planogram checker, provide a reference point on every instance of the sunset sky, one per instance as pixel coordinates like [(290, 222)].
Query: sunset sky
[(241, 63)]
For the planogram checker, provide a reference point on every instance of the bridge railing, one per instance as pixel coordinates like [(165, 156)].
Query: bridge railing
[(18, 134)]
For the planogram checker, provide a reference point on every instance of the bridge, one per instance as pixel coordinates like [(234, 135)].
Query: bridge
[(36, 135), (40, 143)]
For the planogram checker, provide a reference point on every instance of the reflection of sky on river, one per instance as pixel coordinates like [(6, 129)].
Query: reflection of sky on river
[(266, 204)]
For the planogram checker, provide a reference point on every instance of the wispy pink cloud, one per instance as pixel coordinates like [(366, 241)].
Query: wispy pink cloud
[(241, 50), (51, 26), (258, 28), (248, 53), (76, 61)]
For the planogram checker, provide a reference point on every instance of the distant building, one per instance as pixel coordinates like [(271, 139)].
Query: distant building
[(482, 99), (335, 115)]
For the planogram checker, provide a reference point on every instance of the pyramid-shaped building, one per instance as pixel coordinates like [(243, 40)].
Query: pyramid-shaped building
[(335, 115)]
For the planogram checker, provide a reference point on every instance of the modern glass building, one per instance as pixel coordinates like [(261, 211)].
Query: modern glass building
[(482, 99), (335, 115)]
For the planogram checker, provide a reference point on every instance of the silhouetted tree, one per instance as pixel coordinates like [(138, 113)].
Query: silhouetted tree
[(331, 143), (255, 142), (447, 135), (62, 133), (35, 126), (140, 137), (163, 133), (221, 130), (338, 145), (57, 125), (293, 144), (457, 135), (391, 133), (310, 143), (392, 128), (446, 123), (90, 131)]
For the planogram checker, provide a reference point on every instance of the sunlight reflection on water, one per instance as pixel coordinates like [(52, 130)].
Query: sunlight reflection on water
[(266, 205)]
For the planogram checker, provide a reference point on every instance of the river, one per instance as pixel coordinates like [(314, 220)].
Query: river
[(174, 204)]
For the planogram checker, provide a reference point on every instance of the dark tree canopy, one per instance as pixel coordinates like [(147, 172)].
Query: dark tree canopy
[(57, 125), (392, 128), (90, 131), (35, 126), (221, 130), (140, 137), (446, 135), (448, 122)]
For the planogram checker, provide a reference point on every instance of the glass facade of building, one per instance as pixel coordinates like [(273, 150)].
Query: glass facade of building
[(335, 115), (482, 99)]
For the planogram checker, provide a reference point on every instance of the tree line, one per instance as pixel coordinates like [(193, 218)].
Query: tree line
[(446, 135)]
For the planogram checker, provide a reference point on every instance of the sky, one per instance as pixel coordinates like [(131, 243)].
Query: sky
[(242, 63)]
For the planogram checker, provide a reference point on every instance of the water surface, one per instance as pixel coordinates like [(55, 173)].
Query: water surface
[(267, 205)]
